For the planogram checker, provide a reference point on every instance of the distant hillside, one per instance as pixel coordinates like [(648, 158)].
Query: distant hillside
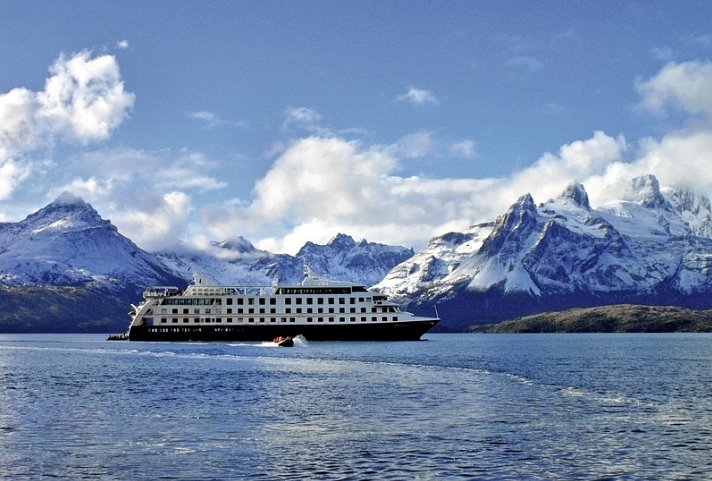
[(63, 309), (617, 318)]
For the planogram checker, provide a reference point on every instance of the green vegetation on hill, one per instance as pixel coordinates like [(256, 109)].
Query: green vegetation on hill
[(617, 318)]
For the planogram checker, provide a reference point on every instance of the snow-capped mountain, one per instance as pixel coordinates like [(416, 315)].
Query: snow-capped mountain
[(67, 243), (237, 261), (652, 246), (342, 258), (66, 261)]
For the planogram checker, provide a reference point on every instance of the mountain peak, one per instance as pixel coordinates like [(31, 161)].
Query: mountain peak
[(645, 190), (578, 195), (239, 244), (342, 240), (67, 211), (67, 198)]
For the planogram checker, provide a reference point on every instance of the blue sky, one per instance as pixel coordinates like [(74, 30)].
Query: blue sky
[(282, 122)]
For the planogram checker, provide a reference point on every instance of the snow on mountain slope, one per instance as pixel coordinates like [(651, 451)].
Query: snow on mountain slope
[(438, 259), (344, 259), (237, 261), (652, 242), (68, 243)]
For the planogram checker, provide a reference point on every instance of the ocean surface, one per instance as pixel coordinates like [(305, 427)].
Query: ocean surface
[(480, 406)]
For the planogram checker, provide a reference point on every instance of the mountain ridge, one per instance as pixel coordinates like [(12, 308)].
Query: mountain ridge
[(649, 247), (66, 269)]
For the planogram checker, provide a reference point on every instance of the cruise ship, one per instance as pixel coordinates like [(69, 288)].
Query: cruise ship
[(317, 309)]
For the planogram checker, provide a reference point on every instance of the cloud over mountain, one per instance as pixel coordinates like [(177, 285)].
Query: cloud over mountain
[(82, 101)]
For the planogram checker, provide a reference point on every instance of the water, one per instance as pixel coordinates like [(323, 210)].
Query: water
[(525, 407)]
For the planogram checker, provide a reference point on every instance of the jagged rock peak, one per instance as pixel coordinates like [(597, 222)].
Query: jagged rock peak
[(526, 200), (524, 205), (71, 210), (341, 240), (522, 209), (239, 244), (646, 191), (67, 198), (578, 195), (691, 200)]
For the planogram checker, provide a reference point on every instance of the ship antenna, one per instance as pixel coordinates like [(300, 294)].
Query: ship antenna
[(435, 306)]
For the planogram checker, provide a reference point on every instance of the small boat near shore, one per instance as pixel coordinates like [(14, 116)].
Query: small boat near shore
[(124, 336)]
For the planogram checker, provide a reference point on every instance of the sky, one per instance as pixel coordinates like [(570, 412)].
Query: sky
[(394, 121)]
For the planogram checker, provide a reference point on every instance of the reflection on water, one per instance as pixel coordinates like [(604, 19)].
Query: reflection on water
[(453, 407)]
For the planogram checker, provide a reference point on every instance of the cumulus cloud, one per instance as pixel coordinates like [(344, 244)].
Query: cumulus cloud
[(12, 173), (319, 186), (419, 97), (130, 186), (82, 102), (323, 184), (686, 87), (159, 222), (84, 99)]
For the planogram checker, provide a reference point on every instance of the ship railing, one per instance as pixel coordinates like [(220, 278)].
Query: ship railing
[(160, 291), (229, 291)]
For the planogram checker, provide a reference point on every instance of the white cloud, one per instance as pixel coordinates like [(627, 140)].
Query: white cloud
[(161, 222), (302, 117), (84, 98), (163, 170), (419, 97), (464, 148), (132, 186), (576, 161), (413, 146), (122, 44), (320, 186), (12, 174), (682, 86), (664, 54), (209, 119), (82, 101)]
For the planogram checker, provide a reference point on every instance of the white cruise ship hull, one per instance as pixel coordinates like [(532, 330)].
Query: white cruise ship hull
[(392, 331), (318, 309)]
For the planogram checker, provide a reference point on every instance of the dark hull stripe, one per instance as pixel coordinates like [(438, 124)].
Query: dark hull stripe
[(392, 331)]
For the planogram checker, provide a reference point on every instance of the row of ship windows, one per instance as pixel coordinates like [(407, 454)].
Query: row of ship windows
[(287, 310), (263, 320), (186, 329), (178, 301)]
